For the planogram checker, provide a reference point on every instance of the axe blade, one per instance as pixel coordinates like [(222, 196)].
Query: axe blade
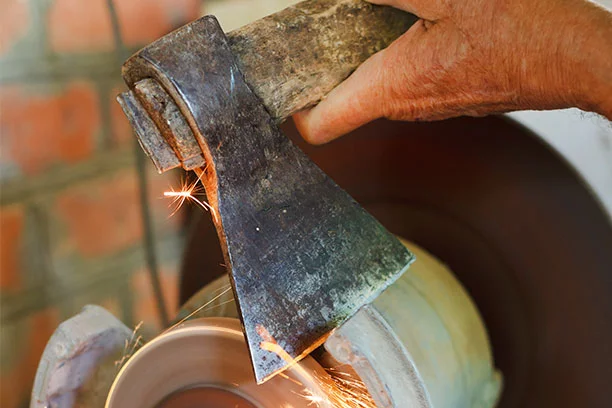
[(303, 256)]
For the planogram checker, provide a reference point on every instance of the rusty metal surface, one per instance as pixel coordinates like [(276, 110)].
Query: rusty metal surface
[(303, 255), (149, 136), (171, 122)]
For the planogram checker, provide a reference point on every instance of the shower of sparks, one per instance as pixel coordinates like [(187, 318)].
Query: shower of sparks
[(189, 192), (293, 380), (338, 389), (341, 390)]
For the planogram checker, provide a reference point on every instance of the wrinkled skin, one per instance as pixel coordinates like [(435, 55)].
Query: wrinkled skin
[(476, 57)]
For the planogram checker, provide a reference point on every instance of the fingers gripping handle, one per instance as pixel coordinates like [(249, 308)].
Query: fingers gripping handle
[(293, 58)]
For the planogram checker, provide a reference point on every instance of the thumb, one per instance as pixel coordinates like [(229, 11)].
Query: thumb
[(364, 96), (354, 102), (426, 9)]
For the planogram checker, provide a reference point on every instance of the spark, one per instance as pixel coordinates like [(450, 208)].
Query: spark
[(220, 304), (134, 343), (278, 350), (337, 389), (293, 380), (341, 390), (200, 308), (130, 346), (189, 192)]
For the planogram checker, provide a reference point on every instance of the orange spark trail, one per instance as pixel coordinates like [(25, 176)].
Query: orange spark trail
[(340, 389), (188, 192), (200, 308)]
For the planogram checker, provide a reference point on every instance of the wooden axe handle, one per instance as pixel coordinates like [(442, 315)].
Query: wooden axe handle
[(293, 58)]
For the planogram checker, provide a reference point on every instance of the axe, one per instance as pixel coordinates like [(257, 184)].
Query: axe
[(302, 255)]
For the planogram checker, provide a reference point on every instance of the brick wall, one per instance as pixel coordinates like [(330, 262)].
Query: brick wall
[(70, 221)]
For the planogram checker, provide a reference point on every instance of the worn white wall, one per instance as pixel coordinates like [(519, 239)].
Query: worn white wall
[(584, 139), (605, 3)]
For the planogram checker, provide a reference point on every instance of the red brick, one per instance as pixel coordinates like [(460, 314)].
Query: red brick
[(41, 129), (121, 130), (11, 232), (102, 216), (78, 25), (113, 305), (143, 21), (18, 379), (145, 306), (14, 23)]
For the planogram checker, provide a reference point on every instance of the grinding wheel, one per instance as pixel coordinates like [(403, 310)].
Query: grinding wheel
[(511, 218), (172, 371)]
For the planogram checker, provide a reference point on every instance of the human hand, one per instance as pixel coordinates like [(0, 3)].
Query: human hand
[(476, 57)]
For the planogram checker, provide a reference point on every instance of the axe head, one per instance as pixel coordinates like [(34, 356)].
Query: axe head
[(303, 256)]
